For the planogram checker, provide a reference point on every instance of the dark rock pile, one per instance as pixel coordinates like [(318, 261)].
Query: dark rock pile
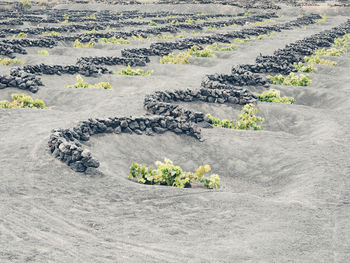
[(20, 79), (137, 61)]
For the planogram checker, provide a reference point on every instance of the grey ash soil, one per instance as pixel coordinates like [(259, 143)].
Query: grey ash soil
[(285, 190)]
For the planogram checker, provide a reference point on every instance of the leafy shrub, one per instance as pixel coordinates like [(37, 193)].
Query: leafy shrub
[(114, 40), (247, 14), (20, 35), (211, 27), (134, 72), (195, 32), (26, 4), (169, 174), (181, 35), (333, 52), (22, 101), (189, 21), (247, 119), (222, 47), (9, 61), (181, 58), (305, 68), (140, 38), (221, 123), (165, 37), (241, 40), (174, 22), (52, 33), (43, 52), (273, 95), (317, 60), (78, 44), (205, 53), (152, 23), (290, 80), (342, 42), (80, 84)]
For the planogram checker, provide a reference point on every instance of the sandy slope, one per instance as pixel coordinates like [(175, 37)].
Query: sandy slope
[(285, 190)]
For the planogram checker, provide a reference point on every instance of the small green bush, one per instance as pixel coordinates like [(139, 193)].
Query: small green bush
[(43, 52), (274, 96), (134, 72), (78, 44), (189, 21), (211, 27), (20, 35), (204, 53), (221, 123), (222, 47), (22, 101), (140, 38), (169, 174), (174, 22), (181, 58), (247, 14), (152, 23), (317, 60), (247, 119), (333, 52), (240, 40), (114, 40), (180, 35), (80, 84), (291, 80), (93, 31), (9, 61), (342, 42), (305, 68)]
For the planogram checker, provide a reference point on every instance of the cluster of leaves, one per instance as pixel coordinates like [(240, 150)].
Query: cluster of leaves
[(222, 47), (26, 4), (172, 175), (247, 14), (317, 60), (9, 61), (241, 40), (80, 84), (43, 52), (114, 40), (310, 68), (246, 120), (333, 52), (152, 23), (138, 37), (20, 35), (52, 33), (273, 95), (165, 37), (181, 35), (211, 27), (189, 21), (181, 58), (22, 101), (291, 80), (174, 22), (134, 72), (206, 52), (78, 44), (342, 42), (221, 123), (93, 16)]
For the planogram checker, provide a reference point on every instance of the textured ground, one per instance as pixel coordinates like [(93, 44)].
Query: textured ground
[(285, 190)]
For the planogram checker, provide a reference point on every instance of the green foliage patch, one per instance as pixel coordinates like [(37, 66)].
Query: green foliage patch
[(114, 40), (305, 68), (274, 96), (43, 52), (246, 120), (22, 101), (80, 84), (135, 72), (78, 44), (52, 33), (9, 61), (20, 35), (181, 58), (315, 59), (169, 174), (290, 80), (138, 37)]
